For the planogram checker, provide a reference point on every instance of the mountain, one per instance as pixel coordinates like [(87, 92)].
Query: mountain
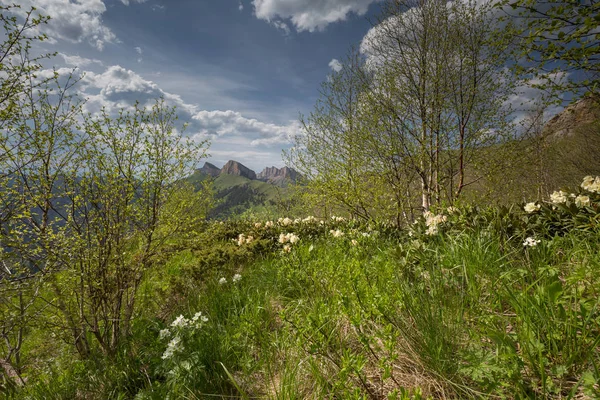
[(210, 169), (278, 176), (236, 168), (572, 118)]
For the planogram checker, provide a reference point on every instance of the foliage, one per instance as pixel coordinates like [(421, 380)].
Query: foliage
[(558, 39)]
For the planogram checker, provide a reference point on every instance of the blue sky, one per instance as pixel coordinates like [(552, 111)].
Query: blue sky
[(240, 72)]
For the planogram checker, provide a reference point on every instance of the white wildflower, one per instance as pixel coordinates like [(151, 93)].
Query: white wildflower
[(258, 225), (199, 316), (582, 201), (591, 184), (531, 207), (354, 242), (287, 248), (285, 221), (531, 242), (164, 333), (172, 347), (452, 210), (293, 238), (432, 230), (558, 197), (236, 278), (180, 322), (336, 233), (268, 224), (222, 281), (283, 238)]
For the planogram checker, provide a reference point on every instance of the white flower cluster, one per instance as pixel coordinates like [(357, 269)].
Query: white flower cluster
[(285, 221), (338, 219), (433, 221), (531, 242), (531, 207), (243, 239), (582, 200), (290, 238), (558, 197), (336, 233), (236, 278), (591, 184), (180, 323)]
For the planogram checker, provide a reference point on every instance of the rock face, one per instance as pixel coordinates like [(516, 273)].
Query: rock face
[(580, 113), (278, 176), (210, 169), (235, 168)]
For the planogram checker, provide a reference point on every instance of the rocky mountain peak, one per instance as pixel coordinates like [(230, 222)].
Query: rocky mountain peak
[(236, 168), (575, 115), (210, 169), (278, 175)]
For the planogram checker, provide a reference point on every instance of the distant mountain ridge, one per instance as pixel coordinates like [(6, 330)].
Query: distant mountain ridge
[(272, 175)]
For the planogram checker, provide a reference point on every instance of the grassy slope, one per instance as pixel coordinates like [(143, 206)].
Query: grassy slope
[(468, 313)]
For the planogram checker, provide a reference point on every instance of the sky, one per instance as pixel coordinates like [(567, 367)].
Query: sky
[(240, 72)]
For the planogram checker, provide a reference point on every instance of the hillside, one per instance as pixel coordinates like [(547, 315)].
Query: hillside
[(238, 195)]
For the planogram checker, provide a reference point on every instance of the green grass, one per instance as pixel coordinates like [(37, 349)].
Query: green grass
[(466, 314)]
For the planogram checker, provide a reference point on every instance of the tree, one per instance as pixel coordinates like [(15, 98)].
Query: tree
[(408, 117), (557, 37)]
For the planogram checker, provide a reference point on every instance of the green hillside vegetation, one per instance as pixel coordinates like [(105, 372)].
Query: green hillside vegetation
[(239, 197), (437, 251)]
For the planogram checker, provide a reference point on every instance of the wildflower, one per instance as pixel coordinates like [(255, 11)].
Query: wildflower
[(531, 207), (452, 210), (249, 239), (172, 347), (591, 184), (164, 333), (222, 281), (531, 242), (558, 197), (268, 224), (293, 238), (285, 221), (283, 238), (311, 248), (309, 219), (336, 233), (258, 225), (180, 322), (582, 201), (199, 316), (241, 239), (338, 219), (236, 278), (354, 242), (287, 248), (432, 230)]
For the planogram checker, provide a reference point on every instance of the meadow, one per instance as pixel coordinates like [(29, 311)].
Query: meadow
[(468, 302)]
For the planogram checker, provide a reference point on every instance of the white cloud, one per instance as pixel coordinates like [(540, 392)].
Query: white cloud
[(78, 61), (241, 6), (309, 15), (76, 22), (335, 65), (139, 50), (231, 123)]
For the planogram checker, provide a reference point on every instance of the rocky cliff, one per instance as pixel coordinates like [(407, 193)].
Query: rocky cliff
[(210, 169), (278, 176), (571, 118), (235, 168)]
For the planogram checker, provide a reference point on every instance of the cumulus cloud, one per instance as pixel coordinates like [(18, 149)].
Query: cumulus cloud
[(309, 15), (335, 65), (76, 22), (232, 123), (78, 61)]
